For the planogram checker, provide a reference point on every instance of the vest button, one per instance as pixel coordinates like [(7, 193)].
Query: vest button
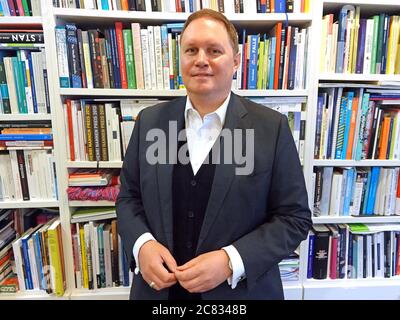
[(191, 214), (193, 183), (188, 244)]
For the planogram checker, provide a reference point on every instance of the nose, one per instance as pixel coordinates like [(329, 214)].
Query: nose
[(201, 59)]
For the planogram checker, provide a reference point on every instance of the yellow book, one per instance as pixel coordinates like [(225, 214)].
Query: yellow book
[(265, 66), (392, 44), (260, 64), (397, 62), (356, 27), (84, 262), (55, 258)]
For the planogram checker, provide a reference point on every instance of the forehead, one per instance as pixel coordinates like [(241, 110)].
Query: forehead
[(205, 29)]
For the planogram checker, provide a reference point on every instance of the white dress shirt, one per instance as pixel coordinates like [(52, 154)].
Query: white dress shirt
[(201, 135)]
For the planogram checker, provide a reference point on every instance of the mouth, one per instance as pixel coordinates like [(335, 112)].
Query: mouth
[(202, 75)]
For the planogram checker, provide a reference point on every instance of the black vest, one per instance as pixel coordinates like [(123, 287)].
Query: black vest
[(190, 198)]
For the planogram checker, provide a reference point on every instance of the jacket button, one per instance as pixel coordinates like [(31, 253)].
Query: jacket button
[(191, 214), (193, 183)]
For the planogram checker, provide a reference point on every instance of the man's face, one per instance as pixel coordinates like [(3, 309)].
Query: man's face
[(207, 59)]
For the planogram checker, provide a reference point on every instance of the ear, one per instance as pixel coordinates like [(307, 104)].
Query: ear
[(236, 61)]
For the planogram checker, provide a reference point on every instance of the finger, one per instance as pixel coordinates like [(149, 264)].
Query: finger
[(162, 273), (188, 274), (169, 261), (187, 265), (191, 284)]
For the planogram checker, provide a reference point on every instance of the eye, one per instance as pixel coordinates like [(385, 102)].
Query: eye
[(215, 51), (190, 50)]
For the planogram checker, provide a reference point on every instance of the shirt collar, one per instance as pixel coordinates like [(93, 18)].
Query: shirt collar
[(220, 112)]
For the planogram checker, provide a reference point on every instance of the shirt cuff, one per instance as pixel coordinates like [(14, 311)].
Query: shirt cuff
[(238, 272), (138, 244)]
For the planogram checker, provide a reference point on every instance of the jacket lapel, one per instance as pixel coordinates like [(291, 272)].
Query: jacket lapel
[(175, 115), (224, 173)]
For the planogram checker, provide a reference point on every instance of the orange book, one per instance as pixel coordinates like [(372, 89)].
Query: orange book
[(26, 131), (383, 143), (121, 54), (124, 4), (353, 121)]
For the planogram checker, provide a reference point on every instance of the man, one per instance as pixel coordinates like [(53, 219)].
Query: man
[(200, 230)]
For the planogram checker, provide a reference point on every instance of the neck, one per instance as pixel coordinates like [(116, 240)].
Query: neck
[(205, 104)]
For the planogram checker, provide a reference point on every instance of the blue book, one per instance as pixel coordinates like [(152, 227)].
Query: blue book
[(39, 261), (25, 257), (342, 36), (367, 186), (280, 6), (364, 113), (271, 67), (114, 52), (33, 88), (372, 190), (253, 61), (28, 137), (104, 5), (341, 128), (311, 240), (348, 192), (74, 64), (349, 106)]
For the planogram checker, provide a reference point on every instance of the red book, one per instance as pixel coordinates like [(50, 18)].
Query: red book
[(70, 131), (121, 55)]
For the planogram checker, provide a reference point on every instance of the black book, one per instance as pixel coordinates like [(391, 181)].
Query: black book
[(321, 251)]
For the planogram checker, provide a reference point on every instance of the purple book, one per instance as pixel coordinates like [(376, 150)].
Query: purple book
[(361, 46)]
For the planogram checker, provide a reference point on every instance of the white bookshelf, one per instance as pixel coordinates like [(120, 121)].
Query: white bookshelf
[(172, 93), (94, 164), (355, 163), (25, 117), (355, 219), (352, 289), (31, 295), (100, 203), (345, 288), (20, 20), (29, 204)]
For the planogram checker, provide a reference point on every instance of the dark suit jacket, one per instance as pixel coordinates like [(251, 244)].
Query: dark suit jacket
[(265, 215)]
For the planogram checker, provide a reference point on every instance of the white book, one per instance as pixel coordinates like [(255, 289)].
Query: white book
[(336, 191), (116, 136), (18, 264), (32, 182), (62, 56), (7, 177), (360, 256), (109, 132), (369, 256), (146, 59), (66, 135), (152, 57), (107, 255), (137, 53), (12, 90), (369, 30), (32, 264), (158, 57), (326, 190), (16, 175), (27, 85), (86, 58)]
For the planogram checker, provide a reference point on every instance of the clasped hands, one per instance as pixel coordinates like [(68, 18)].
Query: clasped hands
[(203, 273)]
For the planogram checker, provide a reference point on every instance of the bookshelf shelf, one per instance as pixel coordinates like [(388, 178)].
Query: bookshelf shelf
[(101, 203), (358, 77), (29, 204), (25, 117), (20, 20), (117, 293), (93, 164), (352, 219), (172, 93), (93, 16), (30, 295), (355, 163)]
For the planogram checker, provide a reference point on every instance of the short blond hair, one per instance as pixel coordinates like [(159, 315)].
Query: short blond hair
[(217, 16)]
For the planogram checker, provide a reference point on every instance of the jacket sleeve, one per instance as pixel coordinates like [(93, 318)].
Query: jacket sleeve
[(289, 215), (130, 212)]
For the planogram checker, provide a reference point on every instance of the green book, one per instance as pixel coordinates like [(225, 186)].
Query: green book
[(130, 62), (374, 44)]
